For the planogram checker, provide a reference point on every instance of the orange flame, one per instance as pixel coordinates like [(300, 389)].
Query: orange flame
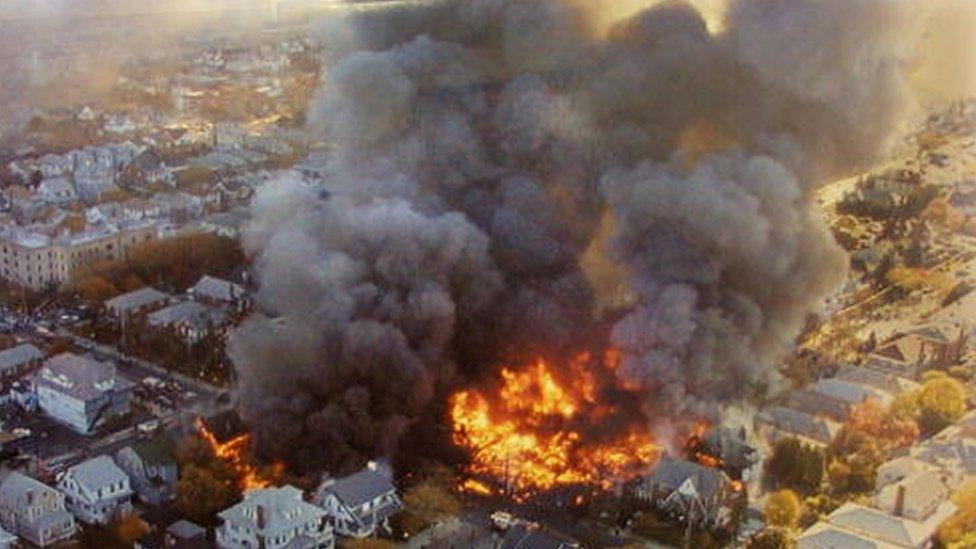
[(235, 453), (529, 435)]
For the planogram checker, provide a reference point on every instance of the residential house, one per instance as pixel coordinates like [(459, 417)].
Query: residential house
[(97, 491), (216, 291), (190, 320), (34, 511), (226, 224), (58, 191), (16, 361), (882, 528), (178, 206), (362, 503), (915, 497), (80, 392), (135, 304), (779, 421), (930, 347), (824, 535), (887, 382), (835, 398), (135, 209), (274, 517), (900, 468), (152, 468), (689, 492)]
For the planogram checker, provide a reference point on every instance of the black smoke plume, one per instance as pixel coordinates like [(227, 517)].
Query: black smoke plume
[(508, 176)]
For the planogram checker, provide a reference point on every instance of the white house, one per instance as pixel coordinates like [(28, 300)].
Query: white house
[(360, 503), (34, 511), (81, 393), (97, 491), (274, 517)]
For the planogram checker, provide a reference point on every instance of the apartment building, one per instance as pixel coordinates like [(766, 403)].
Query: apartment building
[(39, 261)]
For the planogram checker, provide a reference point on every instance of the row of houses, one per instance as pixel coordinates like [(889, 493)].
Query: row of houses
[(102, 489), (207, 306), (814, 414), (912, 497)]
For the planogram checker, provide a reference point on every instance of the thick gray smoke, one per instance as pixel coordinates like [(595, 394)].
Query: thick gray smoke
[(523, 176)]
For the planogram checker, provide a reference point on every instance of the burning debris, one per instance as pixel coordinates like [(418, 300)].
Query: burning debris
[(230, 442), (514, 175), (544, 427)]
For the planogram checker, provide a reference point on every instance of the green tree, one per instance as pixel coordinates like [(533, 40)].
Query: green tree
[(783, 508), (941, 401), (796, 465)]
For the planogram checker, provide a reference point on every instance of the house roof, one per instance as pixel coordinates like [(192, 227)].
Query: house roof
[(271, 511), (903, 467), (672, 473), (158, 450), (849, 392), (358, 488), (801, 423), (924, 489), (823, 535), (879, 525), (97, 472), (80, 377), (217, 289), (18, 356), (885, 381), (197, 314), (14, 489), (136, 299)]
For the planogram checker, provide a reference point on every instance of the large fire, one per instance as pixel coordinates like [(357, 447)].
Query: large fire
[(235, 452), (544, 428)]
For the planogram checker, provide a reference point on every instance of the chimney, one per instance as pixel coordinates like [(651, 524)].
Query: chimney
[(900, 501)]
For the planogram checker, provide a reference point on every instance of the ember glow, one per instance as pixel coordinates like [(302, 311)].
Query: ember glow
[(544, 427), (235, 452)]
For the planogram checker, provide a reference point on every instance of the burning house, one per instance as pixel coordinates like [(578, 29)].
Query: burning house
[(691, 493)]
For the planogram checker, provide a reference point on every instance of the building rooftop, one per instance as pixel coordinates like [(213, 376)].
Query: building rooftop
[(97, 473), (17, 489), (136, 299), (358, 488), (19, 355), (197, 314), (672, 473), (80, 377), (823, 535), (273, 511), (217, 289)]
